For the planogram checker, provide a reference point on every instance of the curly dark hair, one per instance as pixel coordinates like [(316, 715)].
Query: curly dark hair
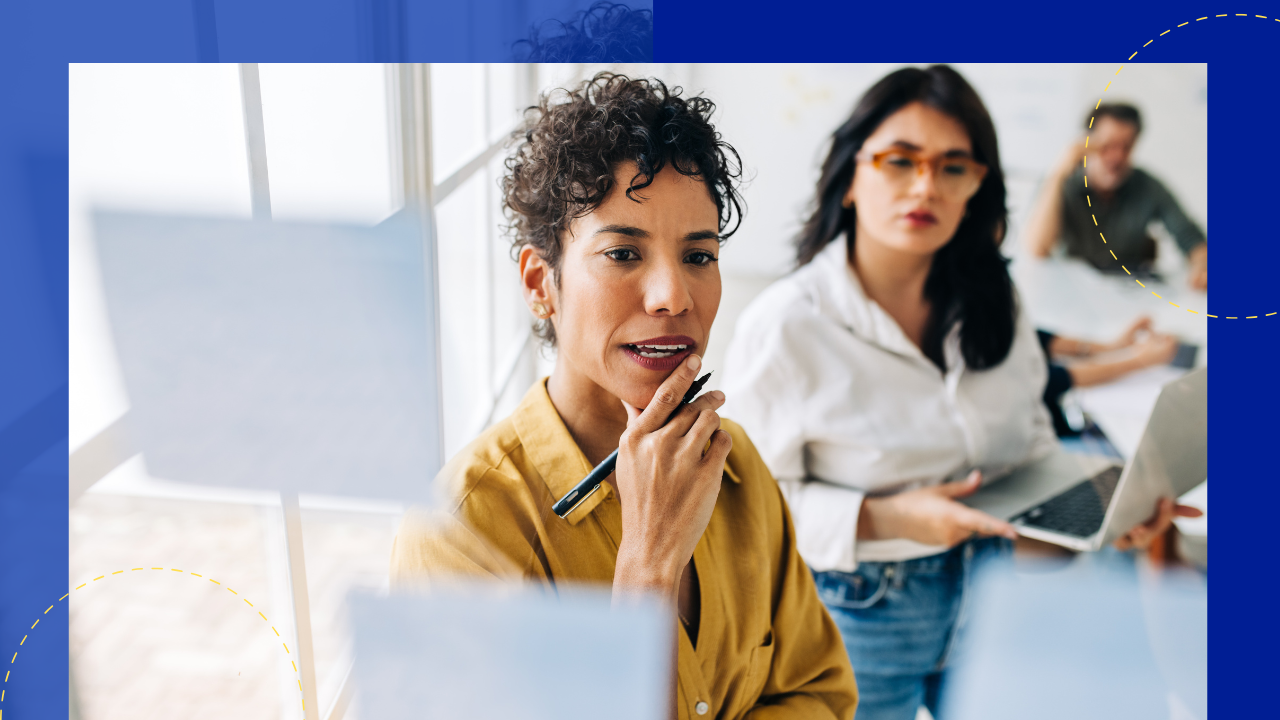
[(573, 140), (604, 32)]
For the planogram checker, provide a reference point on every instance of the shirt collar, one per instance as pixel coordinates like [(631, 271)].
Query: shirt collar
[(843, 298), (555, 454)]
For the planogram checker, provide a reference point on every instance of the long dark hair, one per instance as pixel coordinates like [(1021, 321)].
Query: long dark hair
[(968, 281)]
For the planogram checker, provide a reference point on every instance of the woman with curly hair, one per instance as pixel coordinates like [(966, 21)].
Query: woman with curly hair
[(620, 193)]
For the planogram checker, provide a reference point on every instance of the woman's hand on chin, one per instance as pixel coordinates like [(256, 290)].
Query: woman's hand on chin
[(930, 515), (667, 484)]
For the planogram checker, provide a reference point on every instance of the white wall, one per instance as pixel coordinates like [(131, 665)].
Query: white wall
[(780, 117)]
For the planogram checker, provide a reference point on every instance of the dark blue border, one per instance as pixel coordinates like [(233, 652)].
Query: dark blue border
[(38, 39)]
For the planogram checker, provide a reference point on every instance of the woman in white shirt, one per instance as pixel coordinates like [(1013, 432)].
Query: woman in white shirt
[(889, 371)]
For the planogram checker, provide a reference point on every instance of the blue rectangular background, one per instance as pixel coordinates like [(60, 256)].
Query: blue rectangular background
[(38, 39)]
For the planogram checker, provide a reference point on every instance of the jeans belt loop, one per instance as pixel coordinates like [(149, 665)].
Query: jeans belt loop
[(875, 597)]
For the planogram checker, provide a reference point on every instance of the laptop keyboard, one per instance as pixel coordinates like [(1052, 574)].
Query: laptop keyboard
[(1078, 511)]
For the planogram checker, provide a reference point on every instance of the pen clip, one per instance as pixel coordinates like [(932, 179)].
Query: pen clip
[(581, 500)]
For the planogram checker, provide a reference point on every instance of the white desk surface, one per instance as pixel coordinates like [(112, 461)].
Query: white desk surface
[(1070, 298)]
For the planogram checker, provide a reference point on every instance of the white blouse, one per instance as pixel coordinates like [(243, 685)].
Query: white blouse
[(841, 404)]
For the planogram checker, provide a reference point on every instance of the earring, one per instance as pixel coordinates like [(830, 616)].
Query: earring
[(540, 310)]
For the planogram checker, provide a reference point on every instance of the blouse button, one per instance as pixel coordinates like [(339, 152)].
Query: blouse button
[(701, 708)]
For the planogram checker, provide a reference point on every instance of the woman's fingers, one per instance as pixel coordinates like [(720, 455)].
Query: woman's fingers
[(966, 522), (967, 486), (721, 444), (988, 525), (668, 396), (1140, 538), (633, 412), (706, 423), (1187, 511), (1164, 520), (1143, 535), (683, 422)]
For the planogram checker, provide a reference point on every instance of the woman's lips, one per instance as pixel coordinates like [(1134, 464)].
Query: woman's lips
[(921, 218), (664, 353)]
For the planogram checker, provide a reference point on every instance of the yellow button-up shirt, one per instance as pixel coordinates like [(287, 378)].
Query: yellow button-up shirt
[(766, 647)]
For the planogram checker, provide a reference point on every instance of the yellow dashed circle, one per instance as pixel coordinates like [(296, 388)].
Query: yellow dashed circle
[(14, 659), (1084, 164)]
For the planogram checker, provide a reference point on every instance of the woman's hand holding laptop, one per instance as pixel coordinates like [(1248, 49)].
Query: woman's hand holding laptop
[(1141, 537), (930, 515)]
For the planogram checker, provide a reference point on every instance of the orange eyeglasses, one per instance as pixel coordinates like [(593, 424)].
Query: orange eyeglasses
[(955, 176)]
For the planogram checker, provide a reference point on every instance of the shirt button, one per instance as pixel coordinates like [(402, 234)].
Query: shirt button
[(701, 708)]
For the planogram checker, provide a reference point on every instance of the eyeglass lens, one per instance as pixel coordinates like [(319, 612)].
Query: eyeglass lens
[(951, 175)]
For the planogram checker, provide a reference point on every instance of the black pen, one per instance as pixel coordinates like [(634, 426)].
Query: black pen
[(591, 483)]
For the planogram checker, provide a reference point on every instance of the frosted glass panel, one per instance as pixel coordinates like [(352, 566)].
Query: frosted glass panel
[(163, 138)]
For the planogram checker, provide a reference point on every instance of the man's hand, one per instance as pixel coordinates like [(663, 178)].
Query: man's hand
[(1198, 267), (1045, 221), (1072, 157)]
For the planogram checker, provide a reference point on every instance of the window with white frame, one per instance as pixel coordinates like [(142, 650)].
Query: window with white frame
[(348, 144)]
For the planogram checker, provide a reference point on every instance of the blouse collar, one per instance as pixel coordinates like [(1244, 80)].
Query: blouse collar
[(842, 297), (554, 453)]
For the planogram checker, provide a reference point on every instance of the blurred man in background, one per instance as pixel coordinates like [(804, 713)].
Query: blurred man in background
[(1118, 201)]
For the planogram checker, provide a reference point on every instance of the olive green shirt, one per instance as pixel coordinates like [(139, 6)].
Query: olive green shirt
[(1121, 218)]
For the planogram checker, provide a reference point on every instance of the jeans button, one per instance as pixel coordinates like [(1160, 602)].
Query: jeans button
[(701, 708)]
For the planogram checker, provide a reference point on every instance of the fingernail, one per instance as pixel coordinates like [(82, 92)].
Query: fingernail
[(694, 362), (719, 396)]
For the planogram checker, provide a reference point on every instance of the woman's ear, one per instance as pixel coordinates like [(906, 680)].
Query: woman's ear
[(536, 283)]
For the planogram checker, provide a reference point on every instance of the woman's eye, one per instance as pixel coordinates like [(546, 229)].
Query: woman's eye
[(623, 254), (899, 161), (701, 258), (958, 169)]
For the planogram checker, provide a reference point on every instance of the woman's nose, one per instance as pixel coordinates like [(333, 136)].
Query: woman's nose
[(666, 292), (925, 182)]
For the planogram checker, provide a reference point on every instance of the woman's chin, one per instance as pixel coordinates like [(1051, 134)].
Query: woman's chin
[(924, 241), (636, 392), (639, 396)]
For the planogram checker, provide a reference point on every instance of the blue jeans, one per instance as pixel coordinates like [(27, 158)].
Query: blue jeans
[(901, 621)]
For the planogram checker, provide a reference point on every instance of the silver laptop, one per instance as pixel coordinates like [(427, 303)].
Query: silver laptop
[(1084, 502)]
